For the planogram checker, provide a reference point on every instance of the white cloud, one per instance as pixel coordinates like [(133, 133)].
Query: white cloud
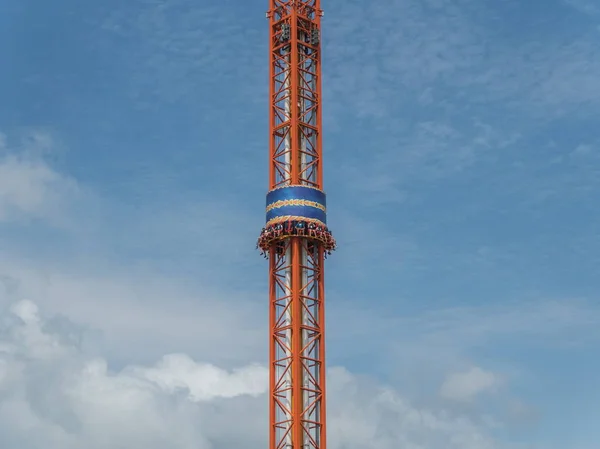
[(153, 314), (204, 382), (467, 385), (73, 401), (25, 186), (134, 318), (29, 187), (53, 395), (366, 415)]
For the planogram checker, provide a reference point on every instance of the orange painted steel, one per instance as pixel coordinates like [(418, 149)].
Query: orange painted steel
[(296, 315)]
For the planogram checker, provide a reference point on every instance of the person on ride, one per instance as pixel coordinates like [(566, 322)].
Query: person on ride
[(289, 227)]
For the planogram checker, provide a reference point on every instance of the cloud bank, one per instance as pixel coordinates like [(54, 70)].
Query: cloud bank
[(54, 395)]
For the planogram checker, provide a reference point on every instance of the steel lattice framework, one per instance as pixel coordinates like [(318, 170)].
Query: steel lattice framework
[(296, 244)]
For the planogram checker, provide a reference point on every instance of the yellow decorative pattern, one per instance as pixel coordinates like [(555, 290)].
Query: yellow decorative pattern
[(306, 203), (293, 218)]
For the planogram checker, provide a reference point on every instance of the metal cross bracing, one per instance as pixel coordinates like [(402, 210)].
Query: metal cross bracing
[(295, 80), (297, 380), (297, 346)]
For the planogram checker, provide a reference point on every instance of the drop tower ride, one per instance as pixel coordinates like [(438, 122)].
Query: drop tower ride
[(295, 238)]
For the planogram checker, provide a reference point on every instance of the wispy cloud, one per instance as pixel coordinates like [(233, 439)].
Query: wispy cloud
[(29, 187), (183, 50), (386, 56), (381, 55), (466, 385), (442, 340), (544, 320), (418, 156), (435, 88), (585, 6), (152, 313)]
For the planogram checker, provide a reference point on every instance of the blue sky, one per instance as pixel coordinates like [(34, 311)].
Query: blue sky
[(461, 162)]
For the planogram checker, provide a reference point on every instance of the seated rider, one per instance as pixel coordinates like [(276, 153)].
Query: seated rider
[(288, 227)]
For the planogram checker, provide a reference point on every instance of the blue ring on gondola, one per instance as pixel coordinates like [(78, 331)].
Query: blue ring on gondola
[(296, 201)]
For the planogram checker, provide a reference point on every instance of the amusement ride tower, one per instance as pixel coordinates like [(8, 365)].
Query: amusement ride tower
[(295, 238)]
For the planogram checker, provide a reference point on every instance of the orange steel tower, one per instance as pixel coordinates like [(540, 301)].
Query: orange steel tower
[(295, 238)]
